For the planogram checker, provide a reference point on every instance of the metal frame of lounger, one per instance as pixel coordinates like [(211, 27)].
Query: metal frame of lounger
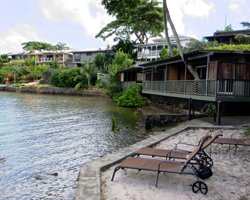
[(176, 153), (167, 166), (233, 141)]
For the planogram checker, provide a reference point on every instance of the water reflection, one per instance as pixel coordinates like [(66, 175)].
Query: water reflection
[(44, 139)]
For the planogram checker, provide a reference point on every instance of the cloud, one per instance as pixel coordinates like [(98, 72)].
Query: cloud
[(198, 8), (87, 13), (235, 5), (11, 42), (195, 8), (92, 16)]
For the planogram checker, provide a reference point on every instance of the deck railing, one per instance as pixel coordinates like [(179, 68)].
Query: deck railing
[(200, 87)]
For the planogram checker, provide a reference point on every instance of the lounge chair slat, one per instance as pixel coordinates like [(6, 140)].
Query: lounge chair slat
[(151, 165)]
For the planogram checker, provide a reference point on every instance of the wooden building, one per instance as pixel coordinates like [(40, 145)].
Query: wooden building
[(223, 76), (227, 37)]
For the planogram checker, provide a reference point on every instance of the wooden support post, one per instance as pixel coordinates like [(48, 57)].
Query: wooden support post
[(189, 109), (219, 112)]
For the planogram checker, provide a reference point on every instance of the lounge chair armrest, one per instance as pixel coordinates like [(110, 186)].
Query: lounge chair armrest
[(182, 143)]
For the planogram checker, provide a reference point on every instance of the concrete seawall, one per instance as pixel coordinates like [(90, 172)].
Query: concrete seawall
[(53, 91)]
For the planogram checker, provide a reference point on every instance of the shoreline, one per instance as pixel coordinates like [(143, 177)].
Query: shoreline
[(53, 91)]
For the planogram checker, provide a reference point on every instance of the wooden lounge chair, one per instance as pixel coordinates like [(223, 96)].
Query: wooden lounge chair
[(188, 167), (179, 153), (233, 141)]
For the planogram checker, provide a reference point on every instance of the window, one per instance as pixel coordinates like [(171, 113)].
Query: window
[(88, 53), (77, 57), (159, 47)]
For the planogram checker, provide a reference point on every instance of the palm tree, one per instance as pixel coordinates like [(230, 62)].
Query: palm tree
[(15, 70), (170, 49), (87, 72), (245, 24), (178, 43), (61, 46)]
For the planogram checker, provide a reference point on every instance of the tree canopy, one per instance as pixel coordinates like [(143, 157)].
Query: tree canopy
[(245, 24), (36, 45), (141, 18), (127, 47), (226, 29), (199, 45), (43, 46), (61, 46)]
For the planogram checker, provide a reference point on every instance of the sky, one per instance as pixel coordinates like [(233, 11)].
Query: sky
[(76, 22)]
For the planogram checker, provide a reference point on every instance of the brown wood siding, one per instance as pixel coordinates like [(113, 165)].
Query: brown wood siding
[(226, 71), (235, 71), (158, 76), (212, 70), (189, 75), (172, 72)]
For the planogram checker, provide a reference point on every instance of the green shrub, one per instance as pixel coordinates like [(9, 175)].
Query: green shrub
[(1, 78), (55, 78), (30, 61), (242, 47), (54, 64), (131, 97), (64, 78), (209, 109), (46, 75)]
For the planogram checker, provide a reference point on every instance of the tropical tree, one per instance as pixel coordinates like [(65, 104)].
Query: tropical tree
[(87, 72), (127, 47), (170, 49), (141, 18), (16, 70), (4, 58), (36, 45), (102, 61), (245, 24), (242, 38), (164, 53), (120, 62), (178, 43), (226, 29), (194, 45), (60, 46)]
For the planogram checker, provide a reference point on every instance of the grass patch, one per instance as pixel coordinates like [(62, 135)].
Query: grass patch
[(243, 198), (247, 132), (43, 85)]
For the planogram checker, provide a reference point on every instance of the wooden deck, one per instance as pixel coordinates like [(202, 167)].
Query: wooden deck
[(206, 90)]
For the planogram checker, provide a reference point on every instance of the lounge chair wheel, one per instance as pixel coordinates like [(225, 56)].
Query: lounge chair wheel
[(199, 186)]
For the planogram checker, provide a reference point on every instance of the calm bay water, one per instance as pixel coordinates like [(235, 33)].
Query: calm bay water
[(44, 140)]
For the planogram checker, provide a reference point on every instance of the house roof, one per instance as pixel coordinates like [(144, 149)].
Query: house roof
[(192, 55), (228, 34), (92, 51)]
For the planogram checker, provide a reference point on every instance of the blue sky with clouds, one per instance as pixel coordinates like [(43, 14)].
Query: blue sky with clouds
[(76, 22)]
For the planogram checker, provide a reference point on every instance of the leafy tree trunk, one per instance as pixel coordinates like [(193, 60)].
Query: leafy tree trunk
[(178, 43), (170, 49)]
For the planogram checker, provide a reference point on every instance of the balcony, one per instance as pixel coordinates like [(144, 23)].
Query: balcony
[(150, 54), (45, 60), (209, 90)]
